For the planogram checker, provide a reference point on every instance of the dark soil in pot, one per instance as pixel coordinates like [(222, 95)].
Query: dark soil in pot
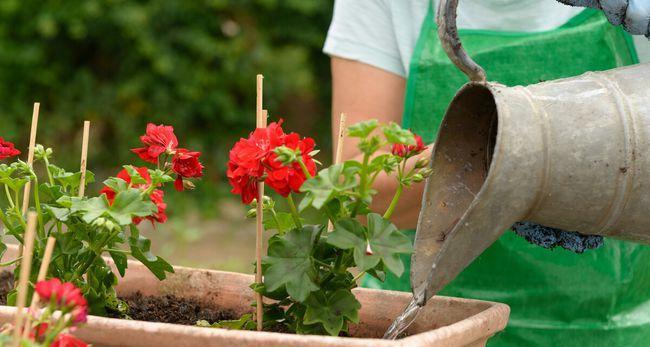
[(162, 309)]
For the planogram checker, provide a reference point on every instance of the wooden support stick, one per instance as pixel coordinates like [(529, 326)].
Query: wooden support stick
[(338, 157), (25, 270), (30, 153), (261, 123), (84, 159), (42, 273), (340, 139)]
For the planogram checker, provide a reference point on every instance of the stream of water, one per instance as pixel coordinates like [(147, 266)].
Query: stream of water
[(404, 320)]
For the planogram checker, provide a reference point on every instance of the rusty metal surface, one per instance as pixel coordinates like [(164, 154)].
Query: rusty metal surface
[(572, 154)]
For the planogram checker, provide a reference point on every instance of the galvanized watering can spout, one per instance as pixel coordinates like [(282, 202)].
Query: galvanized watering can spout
[(571, 154)]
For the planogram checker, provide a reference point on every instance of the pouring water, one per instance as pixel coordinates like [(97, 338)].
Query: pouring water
[(404, 320)]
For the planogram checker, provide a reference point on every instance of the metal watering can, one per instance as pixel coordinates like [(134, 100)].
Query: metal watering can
[(573, 154)]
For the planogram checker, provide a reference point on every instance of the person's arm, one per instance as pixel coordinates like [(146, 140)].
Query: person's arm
[(365, 92)]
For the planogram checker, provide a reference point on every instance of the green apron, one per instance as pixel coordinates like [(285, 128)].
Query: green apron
[(557, 298)]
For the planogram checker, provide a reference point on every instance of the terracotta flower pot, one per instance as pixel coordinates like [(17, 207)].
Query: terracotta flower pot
[(444, 321)]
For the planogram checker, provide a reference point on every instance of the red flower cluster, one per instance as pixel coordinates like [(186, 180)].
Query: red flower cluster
[(407, 151), (65, 295), (252, 160), (159, 140), (67, 340), (157, 196), (7, 149)]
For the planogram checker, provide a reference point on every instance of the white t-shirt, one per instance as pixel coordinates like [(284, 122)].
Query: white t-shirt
[(383, 33)]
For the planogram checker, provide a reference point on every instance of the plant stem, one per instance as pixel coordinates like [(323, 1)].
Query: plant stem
[(304, 168), (98, 253), (47, 169), (294, 211), (362, 185), (9, 198), (277, 221), (393, 203), (114, 250), (358, 276)]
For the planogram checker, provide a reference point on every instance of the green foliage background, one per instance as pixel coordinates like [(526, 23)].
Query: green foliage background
[(190, 64)]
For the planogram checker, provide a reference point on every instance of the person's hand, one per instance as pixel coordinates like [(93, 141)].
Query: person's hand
[(634, 15)]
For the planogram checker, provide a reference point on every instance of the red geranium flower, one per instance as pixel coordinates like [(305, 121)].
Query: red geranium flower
[(7, 149), (407, 151), (285, 179), (67, 340), (186, 164), (65, 294), (157, 140), (157, 196), (248, 157), (38, 331)]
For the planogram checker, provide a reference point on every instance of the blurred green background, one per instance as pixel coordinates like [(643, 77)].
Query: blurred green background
[(190, 64)]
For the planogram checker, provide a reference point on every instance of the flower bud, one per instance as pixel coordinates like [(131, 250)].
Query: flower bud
[(188, 185), (286, 155), (426, 172), (252, 213), (369, 249), (421, 163), (417, 178)]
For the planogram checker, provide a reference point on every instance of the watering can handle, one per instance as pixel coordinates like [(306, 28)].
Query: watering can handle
[(448, 34)]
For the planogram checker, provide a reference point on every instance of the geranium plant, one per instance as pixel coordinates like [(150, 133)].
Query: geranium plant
[(310, 271), (88, 228), (64, 310)]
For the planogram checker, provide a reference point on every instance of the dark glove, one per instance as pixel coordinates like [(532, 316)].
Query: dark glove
[(550, 237), (634, 15)]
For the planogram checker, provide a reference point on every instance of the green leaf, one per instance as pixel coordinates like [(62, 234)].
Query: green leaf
[(120, 260), (159, 177), (246, 322), (289, 263), (136, 178), (284, 221), (14, 184), (140, 250), (129, 204), (116, 184), (70, 180), (60, 214), (396, 135), (327, 184), (369, 145), (385, 162), (66, 243), (332, 309), (50, 193), (386, 242), (362, 129), (92, 208)]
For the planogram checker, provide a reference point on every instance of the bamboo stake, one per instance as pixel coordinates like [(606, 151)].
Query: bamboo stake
[(30, 153), (260, 115), (25, 270), (84, 159), (338, 157), (42, 273), (340, 139)]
